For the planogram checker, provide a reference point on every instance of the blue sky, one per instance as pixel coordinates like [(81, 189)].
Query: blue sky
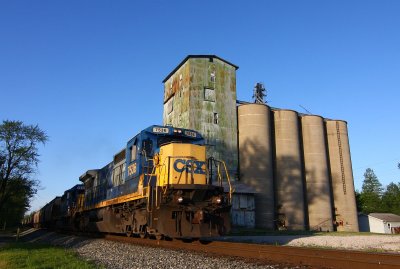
[(90, 72)]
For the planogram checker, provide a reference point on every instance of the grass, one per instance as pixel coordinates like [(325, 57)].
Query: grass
[(8, 231), (39, 256)]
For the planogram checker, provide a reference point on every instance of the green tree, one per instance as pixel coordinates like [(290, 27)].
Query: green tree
[(371, 183), (14, 208), (18, 162), (358, 201), (371, 193), (391, 199)]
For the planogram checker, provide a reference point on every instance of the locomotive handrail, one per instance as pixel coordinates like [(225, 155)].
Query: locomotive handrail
[(150, 177), (218, 163), (162, 168), (229, 181)]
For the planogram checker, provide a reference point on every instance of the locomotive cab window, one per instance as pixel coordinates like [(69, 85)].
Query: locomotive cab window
[(148, 147), (133, 150)]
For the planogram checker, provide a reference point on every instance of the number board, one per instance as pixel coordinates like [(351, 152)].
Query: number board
[(160, 130), (189, 133), (132, 169)]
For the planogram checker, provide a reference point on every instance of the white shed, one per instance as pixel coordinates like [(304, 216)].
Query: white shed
[(385, 223)]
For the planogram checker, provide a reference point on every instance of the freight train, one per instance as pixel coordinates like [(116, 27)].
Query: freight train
[(161, 185)]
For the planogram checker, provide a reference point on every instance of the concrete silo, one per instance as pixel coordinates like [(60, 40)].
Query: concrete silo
[(342, 176), (288, 170), (318, 189), (255, 159)]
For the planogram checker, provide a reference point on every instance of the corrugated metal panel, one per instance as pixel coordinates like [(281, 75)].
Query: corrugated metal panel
[(249, 219), (235, 202), (243, 201), (250, 202), (242, 213), (238, 218)]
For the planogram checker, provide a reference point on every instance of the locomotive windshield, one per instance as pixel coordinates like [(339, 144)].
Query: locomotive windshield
[(168, 139)]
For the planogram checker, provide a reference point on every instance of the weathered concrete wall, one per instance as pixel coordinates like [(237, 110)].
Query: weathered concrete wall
[(256, 165), (201, 95), (288, 170), (316, 173), (176, 98), (344, 199)]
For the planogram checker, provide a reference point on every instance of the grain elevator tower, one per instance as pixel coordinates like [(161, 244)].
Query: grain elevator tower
[(200, 94)]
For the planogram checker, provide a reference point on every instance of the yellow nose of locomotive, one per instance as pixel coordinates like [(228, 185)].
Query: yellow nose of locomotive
[(181, 164)]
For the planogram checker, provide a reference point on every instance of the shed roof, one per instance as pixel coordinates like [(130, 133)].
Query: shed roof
[(239, 187), (197, 56), (386, 217)]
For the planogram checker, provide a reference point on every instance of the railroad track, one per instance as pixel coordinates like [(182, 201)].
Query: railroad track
[(312, 257)]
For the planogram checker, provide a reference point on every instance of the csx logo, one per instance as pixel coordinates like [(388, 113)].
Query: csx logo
[(197, 167)]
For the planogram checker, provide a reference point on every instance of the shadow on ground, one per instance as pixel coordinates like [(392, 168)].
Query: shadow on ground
[(46, 237)]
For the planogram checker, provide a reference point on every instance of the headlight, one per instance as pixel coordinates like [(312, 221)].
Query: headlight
[(218, 200), (180, 199)]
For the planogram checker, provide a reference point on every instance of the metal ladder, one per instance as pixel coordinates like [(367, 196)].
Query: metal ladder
[(341, 157)]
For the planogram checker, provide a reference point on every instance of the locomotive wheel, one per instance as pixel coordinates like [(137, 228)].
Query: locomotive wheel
[(142, 235), (143, 231), (159, 236), (128, 231)]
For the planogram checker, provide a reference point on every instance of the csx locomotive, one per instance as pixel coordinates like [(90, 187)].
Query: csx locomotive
[(160, 184)]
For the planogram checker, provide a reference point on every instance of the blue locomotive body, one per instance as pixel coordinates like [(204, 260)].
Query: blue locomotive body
[(160, 184), (121, 176)]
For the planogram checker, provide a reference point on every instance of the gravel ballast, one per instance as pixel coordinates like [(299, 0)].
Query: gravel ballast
[(384, 243), (121, 255)]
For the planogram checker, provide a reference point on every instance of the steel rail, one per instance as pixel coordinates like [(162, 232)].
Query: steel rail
[(312, 257)]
